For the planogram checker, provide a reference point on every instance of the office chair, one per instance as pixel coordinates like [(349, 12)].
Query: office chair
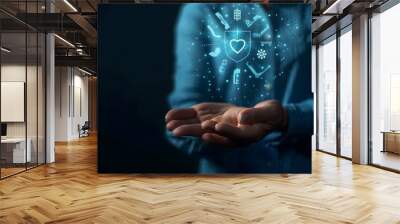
[(84, 130)]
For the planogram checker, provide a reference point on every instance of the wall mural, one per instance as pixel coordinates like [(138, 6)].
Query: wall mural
[(205, 88)]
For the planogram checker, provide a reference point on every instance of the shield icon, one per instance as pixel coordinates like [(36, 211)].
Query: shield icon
[(237, 45)]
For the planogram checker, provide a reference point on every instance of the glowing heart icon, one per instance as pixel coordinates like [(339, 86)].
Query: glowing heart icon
[(237, 45)]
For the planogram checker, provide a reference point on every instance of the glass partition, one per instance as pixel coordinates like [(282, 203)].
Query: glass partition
[(22, 89), (14, 153), (327, 96), (385, 89), (346, 93)]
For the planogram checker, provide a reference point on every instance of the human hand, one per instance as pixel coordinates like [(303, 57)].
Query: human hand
[(187, 121), (250, 125), (227, 124)]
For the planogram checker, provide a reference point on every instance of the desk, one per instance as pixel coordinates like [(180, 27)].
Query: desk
[(391, 141), (13, 150)]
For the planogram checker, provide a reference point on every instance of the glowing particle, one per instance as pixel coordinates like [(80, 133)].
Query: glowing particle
[(261, 54)]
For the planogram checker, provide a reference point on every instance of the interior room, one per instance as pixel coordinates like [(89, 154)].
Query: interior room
[(49, 127), (23, 95)]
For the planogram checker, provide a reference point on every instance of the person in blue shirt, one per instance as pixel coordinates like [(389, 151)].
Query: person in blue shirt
[(242, 100)]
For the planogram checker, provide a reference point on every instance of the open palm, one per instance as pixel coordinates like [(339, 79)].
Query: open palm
[(188, 121), (227, 124)]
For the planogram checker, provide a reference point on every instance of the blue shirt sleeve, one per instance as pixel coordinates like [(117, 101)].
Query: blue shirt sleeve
[(300, 118), (188, 84)]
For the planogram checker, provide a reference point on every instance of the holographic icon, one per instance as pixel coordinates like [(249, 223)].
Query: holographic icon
[(215, 53), (222, 66), (237, 14), (255, 19), (213, 32), (261, 54), (263, 43), (222, 20), (257, 35), (237, 45), (255, 73), (236, 75)]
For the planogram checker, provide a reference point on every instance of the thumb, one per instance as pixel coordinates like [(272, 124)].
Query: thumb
[(252, 115)]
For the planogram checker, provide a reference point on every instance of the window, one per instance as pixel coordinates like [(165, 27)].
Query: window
[(385, 89), (346, 93), (327, 96)]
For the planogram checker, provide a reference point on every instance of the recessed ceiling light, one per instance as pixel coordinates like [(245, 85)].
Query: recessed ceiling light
[(5, 50), (84, 71), (337, 7), (70, 5), (64, 40)]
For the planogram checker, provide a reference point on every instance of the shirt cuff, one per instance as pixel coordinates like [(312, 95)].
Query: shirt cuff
[(300, 119)]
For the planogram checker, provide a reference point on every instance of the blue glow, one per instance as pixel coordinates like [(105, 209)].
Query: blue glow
[(244, 44)]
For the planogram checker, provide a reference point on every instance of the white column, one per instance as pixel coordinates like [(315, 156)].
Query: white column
[(360, 90), (50, 98), (50, 92)]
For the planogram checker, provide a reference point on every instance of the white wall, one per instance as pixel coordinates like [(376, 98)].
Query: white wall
[(62, 81), (80, 103), (33, 127), (71, 94), (9, 73), (16, 73)]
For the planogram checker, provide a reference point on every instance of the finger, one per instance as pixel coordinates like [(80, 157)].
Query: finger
[(210, 108), (212, 138), (244, 133), (171, 125), (217, 118), (267, 103), (270, 111), (229, 131), (188, 130), (208, 125), (180, 114), (253, 115)]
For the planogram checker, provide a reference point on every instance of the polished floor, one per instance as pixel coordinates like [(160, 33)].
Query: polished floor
[(9, 171), (386, 159), (70, 191), (5, 172)]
